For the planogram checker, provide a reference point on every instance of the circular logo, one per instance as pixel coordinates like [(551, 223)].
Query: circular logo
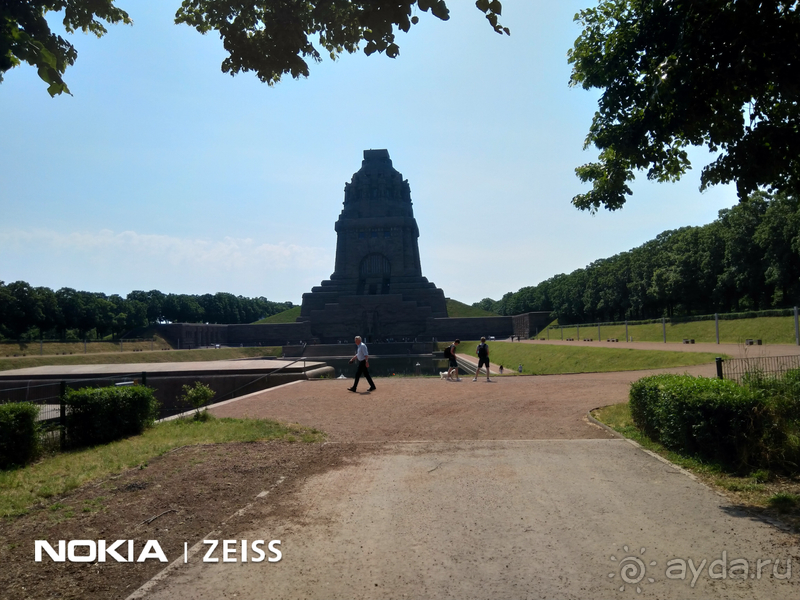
[(631, 570)]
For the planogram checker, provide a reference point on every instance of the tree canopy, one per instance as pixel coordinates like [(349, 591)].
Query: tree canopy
[(680, 73), (25, 34), (272, 38), (27, 312), (277, 37), (747, 259)]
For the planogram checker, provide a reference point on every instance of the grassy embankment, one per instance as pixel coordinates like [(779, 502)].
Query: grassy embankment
[(459, 309), (772, 330), (551, 360), (777, 496), (287, 316), (60, 473), (138, 357), (18, 349)]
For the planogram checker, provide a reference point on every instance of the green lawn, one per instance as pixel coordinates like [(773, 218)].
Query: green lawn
[(138, 357), (772, 330), (551, 359)]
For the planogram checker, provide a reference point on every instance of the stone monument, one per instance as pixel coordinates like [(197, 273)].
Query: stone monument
[(376, 290), (377, 287)]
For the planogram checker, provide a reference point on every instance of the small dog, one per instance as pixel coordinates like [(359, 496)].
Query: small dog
[(443, 374)]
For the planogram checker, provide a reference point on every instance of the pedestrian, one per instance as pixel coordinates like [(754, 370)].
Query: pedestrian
[(501, 369), (453, 365), (483, 359), (520, 368), (362, 356)]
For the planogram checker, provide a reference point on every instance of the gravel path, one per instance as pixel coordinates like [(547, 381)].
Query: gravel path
[(493, 490), (413, 409)]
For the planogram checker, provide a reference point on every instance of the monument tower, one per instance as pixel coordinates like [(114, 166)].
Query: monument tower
[(377, 289)]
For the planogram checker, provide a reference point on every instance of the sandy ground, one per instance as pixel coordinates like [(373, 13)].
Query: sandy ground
[(492, 490), (425, 489)]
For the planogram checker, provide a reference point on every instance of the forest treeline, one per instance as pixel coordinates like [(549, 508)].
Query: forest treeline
[(747, 259), (28, 312)]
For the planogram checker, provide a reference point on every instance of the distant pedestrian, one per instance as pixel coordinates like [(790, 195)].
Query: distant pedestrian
[(520, 368), (362, 356), (452, 371), (483, 359), (501, 369)]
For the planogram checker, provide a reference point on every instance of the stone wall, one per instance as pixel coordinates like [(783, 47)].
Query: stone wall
[(358, 317), (199, 335), (269, 334), (470, 328), (527, 325)]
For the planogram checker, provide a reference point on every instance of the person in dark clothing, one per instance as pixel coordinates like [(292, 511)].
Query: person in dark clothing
[(483, 359), (362, 356), (452, 371)]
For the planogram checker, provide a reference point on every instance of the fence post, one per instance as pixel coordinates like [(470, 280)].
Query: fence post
[(796, 328), (627, 339), (718, 360), (84, 345), (62, 416), (578, 336), (144, 377), (598, 332), (716, 325), (664, 328)]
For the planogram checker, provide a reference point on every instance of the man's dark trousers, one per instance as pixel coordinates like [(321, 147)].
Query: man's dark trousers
[(362, 369)]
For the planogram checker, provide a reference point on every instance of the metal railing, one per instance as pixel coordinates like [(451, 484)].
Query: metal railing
[(740, 369)]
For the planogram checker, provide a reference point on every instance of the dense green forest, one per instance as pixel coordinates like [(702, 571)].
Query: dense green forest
[(747, 259), (28, 312)]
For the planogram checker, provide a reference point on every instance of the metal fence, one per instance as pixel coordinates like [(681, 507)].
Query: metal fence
[(590, 329), (48, 393), (17, 348), (738, 369)]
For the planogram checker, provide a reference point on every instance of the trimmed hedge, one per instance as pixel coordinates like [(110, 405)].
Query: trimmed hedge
[(19, 434), (102, 415), (740, 427)]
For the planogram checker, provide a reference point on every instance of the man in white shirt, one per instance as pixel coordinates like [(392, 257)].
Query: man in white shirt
[(362, 356)]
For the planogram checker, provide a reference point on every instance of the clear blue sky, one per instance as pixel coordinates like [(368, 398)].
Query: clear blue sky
[(162, 172)]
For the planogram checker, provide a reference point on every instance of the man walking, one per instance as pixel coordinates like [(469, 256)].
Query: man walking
[(362, 356), (483, 359), (450, 353)]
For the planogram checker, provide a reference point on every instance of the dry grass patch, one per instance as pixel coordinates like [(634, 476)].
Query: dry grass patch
[(59, 474)]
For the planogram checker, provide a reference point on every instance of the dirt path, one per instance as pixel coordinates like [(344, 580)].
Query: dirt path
[(526, 519), (426, 489), (412, 409), (489, 490)]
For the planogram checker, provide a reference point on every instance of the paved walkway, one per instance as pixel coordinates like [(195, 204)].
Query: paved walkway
[(501, 490)]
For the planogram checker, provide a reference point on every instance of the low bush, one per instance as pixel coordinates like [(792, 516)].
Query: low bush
[(19, 434), (102, 415), (740, 427), (197, 396)]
